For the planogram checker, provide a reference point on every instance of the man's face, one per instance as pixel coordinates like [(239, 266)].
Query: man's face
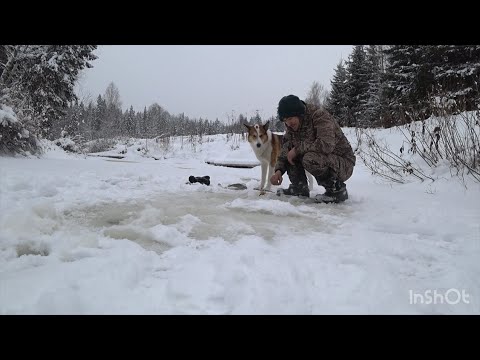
[(293, 122)]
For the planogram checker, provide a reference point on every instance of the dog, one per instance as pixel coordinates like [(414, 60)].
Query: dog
[(267, 147)]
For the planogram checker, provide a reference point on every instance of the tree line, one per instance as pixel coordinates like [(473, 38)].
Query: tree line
[(377, 86), (384, 86), (104, 118)]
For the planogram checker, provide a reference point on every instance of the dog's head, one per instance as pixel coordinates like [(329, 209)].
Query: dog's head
[(257, 134)]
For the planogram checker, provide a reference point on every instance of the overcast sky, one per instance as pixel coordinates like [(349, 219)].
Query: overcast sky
[(210, 81)]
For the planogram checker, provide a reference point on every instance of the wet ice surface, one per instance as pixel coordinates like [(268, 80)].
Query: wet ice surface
[(163, 220)]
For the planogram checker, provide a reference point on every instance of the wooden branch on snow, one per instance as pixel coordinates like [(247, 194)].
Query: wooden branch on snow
[(108, 156), (233, 165)]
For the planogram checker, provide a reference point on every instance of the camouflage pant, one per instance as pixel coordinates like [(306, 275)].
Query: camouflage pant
[(322, 167)]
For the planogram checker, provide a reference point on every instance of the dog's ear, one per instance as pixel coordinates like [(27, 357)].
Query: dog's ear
[(247, 126), (266, 125)]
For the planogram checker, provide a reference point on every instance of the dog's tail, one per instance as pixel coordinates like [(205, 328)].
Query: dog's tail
[(310, 180)]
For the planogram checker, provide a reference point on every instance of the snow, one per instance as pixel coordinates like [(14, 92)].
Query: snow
[(94, 235), (7, 115)]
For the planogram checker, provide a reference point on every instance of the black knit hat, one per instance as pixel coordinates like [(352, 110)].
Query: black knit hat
[(290, 105)]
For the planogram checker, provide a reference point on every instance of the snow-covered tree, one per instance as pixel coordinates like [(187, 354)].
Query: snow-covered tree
[(357, 88), (14, 136), (456, 74), (129, 122), (157, 120), (37, 82), (337, 103), (99, 114), (373, 105), (409, 82), (70, 123), (256, 119)]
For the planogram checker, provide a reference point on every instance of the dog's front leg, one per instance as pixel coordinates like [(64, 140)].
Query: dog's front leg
[(264, 174), (262, 179), (269, 175)]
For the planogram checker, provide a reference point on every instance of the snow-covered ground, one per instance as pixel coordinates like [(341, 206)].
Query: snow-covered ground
[(92, 235)]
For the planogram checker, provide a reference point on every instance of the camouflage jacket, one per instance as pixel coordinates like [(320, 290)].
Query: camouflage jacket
[(319, 132)]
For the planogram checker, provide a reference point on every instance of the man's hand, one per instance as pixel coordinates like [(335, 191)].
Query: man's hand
[(276, 178), (292, 154)]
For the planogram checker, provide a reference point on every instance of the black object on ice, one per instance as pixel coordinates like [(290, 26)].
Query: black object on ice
[(200, 179)]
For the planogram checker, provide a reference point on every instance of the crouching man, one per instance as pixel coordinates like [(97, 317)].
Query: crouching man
[(314, 142)]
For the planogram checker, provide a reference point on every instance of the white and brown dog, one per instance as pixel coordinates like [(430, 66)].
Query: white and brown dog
[(267, 147)]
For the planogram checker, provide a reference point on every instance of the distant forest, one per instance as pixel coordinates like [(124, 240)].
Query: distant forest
[(377, 86)]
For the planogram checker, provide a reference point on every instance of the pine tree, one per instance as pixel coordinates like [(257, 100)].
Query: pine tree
[(129, 122), (43, 78), (144, 126), (337, 103), (155, 126), (242, 119), (90, 121), (37, 81), (99, 114), (256, 119), (372, 111), (409, 82), (14, 136), (69, 124), (357, 88), (138, 124), (82, 120), (456, 74)]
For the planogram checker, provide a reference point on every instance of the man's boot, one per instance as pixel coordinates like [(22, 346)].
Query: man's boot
[(295, 190), (335, 191)]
